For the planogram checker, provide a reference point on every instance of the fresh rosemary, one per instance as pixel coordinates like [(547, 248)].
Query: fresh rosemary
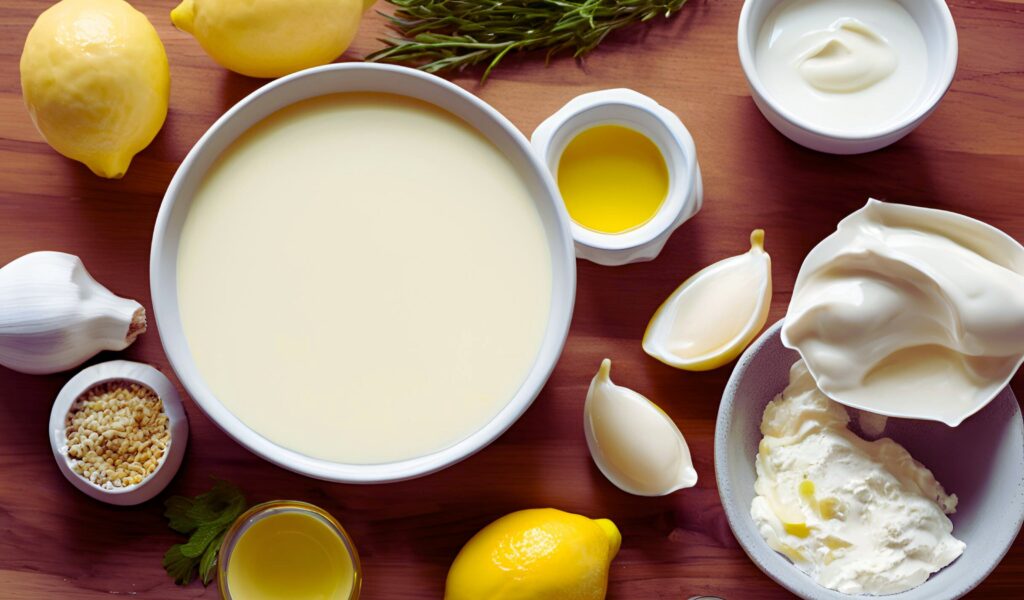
[(443, 35)]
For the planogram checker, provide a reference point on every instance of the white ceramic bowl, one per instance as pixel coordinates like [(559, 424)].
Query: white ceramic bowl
[(358, 77), (142, 374), (981, 461), (638, 112), (936, 23)]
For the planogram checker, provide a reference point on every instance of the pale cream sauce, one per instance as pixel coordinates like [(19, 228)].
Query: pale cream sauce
[(364, 278)]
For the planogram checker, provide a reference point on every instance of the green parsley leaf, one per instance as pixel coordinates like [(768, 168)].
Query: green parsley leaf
[(205, 518), (177, 514), (178, 566), (208, 562)]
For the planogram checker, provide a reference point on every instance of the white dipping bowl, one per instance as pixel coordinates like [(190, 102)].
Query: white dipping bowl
[(981, 461), (936, 23), (640, 113), (142, 374), (358, 77)]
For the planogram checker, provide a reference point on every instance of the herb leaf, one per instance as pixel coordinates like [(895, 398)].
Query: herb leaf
[(206, 518), (208, 562), (177, 514), (178, 566), (443, 35)]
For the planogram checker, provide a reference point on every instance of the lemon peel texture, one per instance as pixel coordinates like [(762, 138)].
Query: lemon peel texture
[(270, 38), (536, 554), (95, 80)]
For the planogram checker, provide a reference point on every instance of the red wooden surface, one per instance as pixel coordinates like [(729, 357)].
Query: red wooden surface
[(57, 543)]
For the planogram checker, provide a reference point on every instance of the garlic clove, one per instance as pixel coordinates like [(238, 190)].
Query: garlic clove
[(715, 314), (632, 441), (54, 316)]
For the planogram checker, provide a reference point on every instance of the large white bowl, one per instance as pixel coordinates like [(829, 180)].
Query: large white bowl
[(981, 461), (936, 23), (357, 77)]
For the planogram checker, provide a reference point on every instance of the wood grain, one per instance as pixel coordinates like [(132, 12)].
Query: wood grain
[(56, 543)]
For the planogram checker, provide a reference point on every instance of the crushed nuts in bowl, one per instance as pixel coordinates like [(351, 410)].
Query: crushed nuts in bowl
[(118, 431), (117, 434)]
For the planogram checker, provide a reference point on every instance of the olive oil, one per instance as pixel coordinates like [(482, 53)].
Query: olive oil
[(612, 178), (290, 556)]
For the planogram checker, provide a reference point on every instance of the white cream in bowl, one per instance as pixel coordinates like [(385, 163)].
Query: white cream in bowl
[(843, 66), (910, 312), (847, 76), (362, 273), (326, 289)]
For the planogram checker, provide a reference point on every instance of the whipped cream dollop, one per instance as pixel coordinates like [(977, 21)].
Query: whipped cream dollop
[(910, 312), (859, 517), (848, 56)]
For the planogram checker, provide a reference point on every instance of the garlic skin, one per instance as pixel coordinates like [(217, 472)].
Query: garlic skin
[(54, 316), (632, 441)]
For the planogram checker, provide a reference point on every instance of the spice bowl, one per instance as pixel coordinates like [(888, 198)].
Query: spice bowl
[(939, 32), (635, 111), (981, 461), (152, 384), (306, 536)]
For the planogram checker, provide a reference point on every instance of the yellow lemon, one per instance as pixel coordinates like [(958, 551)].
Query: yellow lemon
[(538, 554), (270, 38), (95, 80)]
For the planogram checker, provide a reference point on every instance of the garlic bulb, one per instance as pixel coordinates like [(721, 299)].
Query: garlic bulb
[(632, 441), (54, 316)]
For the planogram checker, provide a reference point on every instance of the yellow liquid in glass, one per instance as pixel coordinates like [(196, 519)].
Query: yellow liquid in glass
[(290, 556), (612, 178)]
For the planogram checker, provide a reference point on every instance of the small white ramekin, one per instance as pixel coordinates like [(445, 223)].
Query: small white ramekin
[(142, 374), (638, 112), (936, 23)]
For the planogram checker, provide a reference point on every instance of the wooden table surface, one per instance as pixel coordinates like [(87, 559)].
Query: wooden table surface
[(57, 543)]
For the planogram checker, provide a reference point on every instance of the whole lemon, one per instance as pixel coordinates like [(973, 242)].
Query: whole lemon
[(537, 554), (270, 38), (95, 80)]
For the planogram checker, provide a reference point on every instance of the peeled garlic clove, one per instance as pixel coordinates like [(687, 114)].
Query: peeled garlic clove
[(54, 316), (712, 317), (632, 441)]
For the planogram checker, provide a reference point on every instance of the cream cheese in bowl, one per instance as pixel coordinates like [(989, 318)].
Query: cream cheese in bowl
[(858, 516), (362, 273)]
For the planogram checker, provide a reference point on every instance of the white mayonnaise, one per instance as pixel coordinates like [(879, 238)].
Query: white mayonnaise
[(910, 312), (843, 65), (859, 517), (349, 298)]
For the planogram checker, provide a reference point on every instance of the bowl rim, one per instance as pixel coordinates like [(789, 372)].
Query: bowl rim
[(911, 119), (163, 285), (177, 425), (733, 513)]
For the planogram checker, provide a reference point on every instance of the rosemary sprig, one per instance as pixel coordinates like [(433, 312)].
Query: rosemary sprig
[(443, 35)]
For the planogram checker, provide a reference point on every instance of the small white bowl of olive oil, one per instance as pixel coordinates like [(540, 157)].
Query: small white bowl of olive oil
[(627, 171)]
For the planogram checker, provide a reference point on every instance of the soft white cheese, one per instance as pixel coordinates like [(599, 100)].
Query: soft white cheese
[(859, 517)]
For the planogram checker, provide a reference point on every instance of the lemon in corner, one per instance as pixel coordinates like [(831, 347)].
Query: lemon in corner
[(95, 80), (270, 38), (537, 554)]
